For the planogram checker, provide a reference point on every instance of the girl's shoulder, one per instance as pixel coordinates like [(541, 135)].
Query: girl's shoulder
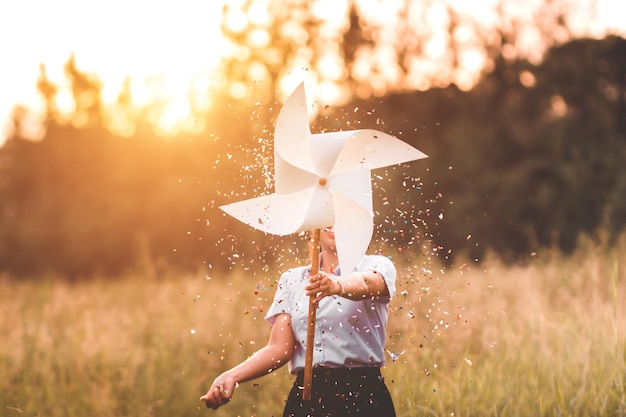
[(379, 263), (370, 260), (295, 273)]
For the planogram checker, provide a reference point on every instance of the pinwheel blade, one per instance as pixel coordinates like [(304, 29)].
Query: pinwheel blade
[(371, 149), (284, 214), (325, 149), (355, 185), (289, 178), (353, 231), (278, 214), (292, 133)]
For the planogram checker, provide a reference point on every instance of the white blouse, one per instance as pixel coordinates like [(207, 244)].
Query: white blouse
[(348, 333)]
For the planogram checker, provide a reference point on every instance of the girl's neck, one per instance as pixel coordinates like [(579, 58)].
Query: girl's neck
[(329, 261)]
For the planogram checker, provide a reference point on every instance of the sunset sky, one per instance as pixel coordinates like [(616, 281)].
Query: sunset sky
[(119, 38), (113, 39)]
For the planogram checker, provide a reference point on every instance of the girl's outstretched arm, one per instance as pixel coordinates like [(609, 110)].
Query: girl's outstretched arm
[(275, 354)]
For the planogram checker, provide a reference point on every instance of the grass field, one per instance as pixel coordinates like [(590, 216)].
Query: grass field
[(544, 339)]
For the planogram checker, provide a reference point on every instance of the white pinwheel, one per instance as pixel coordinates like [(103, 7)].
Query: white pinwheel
[(322, 180)]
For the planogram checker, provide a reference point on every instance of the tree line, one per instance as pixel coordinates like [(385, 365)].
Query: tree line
[(531, 157)]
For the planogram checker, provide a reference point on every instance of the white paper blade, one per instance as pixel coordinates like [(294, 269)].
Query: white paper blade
[(370, 149), (292, 133), (355, 185), (325, 149), (279, 214), (353, 231), (291, 179), (321, 212)]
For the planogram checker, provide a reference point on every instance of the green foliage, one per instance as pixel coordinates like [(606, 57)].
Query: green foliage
[(531, 157)]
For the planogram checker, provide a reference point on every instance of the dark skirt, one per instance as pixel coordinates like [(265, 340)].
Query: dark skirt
[(338, 392)]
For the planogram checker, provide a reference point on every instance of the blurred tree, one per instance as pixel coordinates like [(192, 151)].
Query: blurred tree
[(86, 90), (268, 39), (531, 156), (365, 48), (546, 154), (83, 200), (48, 91)]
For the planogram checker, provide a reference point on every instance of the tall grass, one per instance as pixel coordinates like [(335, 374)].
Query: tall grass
[(545, 339)]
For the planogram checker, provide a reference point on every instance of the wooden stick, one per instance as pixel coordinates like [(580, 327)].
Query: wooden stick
[(310, 335)]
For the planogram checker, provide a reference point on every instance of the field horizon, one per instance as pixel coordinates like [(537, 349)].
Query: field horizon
[(478, 339)]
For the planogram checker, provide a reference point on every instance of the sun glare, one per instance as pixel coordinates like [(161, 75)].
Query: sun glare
[(180, 43), (113, 40)]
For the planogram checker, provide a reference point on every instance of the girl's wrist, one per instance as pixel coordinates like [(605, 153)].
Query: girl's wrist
[(341, 290)]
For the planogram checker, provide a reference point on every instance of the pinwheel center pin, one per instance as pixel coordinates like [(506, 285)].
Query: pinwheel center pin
[(322, 181)]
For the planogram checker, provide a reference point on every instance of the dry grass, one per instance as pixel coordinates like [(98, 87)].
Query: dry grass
[(477, 340), (545, 339)]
